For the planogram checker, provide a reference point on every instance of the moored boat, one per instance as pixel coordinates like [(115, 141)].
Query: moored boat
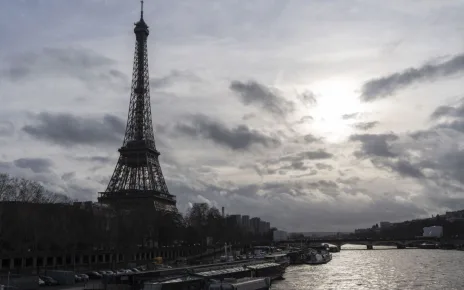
[(239, 284), (279, 258), (318, 258)]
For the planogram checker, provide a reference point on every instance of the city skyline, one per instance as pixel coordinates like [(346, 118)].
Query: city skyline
[(314, 116)]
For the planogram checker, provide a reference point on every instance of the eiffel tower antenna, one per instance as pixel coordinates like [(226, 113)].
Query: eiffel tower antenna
[(137, 179)]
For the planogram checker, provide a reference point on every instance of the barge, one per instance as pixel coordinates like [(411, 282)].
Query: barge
[(197, 277)]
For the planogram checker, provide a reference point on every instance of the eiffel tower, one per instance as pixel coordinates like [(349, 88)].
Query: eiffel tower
[(137, 179)]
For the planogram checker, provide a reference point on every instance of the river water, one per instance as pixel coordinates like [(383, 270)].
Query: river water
[(381, 268)]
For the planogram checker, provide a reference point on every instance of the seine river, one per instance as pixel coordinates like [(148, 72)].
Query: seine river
[(381, 268)]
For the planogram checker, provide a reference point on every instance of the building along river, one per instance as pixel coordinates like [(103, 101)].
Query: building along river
[(382, 268)]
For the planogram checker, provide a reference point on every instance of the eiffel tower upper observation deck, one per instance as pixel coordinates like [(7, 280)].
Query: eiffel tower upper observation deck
[(137, 179)]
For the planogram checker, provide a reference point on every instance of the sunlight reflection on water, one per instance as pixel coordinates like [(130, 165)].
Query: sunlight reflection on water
[(385, 268)]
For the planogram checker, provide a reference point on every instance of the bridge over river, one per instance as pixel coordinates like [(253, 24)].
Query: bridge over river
[(368, 242)]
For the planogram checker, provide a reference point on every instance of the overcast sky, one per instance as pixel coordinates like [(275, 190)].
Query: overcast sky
[(314, 115)]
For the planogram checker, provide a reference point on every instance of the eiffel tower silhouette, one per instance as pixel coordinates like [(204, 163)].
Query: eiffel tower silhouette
[(137, 179)]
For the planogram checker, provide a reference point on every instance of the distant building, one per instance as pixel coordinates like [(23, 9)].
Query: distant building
[(278, 236), (452, 216), (262, 227), (246, 222), (267, 227), (433, 231), (385, 225), (236, 219), (254, 224)]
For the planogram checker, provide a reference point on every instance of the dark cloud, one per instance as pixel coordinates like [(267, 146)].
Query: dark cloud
[(365, 125), (386, 86), (309, 138), (173, 77), (295, 159), (68, 130), (307, 98), (37, 165), (295, 165), (374, 144), (449, 111), (238, 138), (423, 134), (249, 116), (314, 155), (405, 168), (349, 181), (451, 165), (98, 159), (457, 125), (350, 116), (453, 114), (402, 167), (253, 93), (305, 119), (68, 176), (82, 64), (6, 128), (322, 166), (327, 187)]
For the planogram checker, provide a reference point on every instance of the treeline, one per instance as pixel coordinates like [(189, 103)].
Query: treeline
[(20, 189), (414, 228), (33, 219)]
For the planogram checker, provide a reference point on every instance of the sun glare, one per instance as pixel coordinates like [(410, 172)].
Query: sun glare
[(335, 98)]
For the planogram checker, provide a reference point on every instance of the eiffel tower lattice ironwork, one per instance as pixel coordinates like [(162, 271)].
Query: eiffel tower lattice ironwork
[(137, 179)]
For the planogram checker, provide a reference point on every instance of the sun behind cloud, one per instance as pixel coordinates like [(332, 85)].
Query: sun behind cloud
[(336, 97)]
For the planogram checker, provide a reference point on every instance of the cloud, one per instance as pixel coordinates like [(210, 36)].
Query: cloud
[(315, 155), (39, 169), (385, 86), (305, 119), (296, 161), (449, 111), (322, 166), (97, 159), (69, 130), (365, 125), (309, 138), (307, 98), (82, 64), (173, 77), (253, 93), (6, 128), (374, 144), (37, 165), (249, 116), (450, 117), (403, 167), (68, 175), (350, 116), (240, 137)]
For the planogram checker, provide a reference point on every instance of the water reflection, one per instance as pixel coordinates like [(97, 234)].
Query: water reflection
[(382, 268)]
